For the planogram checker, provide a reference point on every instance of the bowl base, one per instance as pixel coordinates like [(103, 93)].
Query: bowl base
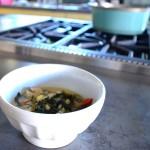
[(51, 143)]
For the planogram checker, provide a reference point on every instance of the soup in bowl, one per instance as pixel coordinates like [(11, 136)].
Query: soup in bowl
[(51, 130)]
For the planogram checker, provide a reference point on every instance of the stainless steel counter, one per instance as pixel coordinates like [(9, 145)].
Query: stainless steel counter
[(123, 124)]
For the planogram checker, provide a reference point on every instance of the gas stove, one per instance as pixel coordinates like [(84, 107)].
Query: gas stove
[(77, 41), (127, 48), (47, 32)]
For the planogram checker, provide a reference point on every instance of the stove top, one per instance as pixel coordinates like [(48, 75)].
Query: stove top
[(119, 46), (47, 32), (75, 39)]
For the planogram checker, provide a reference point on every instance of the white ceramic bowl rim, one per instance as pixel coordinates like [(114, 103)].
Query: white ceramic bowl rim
[(41, 114)]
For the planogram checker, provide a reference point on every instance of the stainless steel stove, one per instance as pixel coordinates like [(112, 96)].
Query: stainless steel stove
[(76, 41)]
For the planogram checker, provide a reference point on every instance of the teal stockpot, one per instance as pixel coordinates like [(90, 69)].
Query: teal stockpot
[(120, 19)]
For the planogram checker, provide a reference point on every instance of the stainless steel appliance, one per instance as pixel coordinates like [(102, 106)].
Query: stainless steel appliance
[(76, 41)]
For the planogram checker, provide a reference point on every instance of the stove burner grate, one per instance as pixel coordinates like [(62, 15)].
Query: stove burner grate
[(115, 45)]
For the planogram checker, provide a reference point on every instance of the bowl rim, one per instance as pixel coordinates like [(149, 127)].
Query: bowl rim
[(102, 96)]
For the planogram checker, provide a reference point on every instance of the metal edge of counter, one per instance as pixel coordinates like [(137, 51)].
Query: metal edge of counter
[(23, 50)]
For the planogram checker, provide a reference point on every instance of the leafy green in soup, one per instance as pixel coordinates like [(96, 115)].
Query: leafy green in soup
[(50, 100)]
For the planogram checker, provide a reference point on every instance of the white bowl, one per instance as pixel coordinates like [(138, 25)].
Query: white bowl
[(51, 130)]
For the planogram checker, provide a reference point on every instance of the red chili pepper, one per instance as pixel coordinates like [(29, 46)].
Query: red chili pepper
[(87, 102)]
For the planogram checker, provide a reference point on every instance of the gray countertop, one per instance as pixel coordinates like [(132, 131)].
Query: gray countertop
[(13, 21), (123, 124)]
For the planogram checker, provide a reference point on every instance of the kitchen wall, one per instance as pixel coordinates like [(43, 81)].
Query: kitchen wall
[(137, 2)]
